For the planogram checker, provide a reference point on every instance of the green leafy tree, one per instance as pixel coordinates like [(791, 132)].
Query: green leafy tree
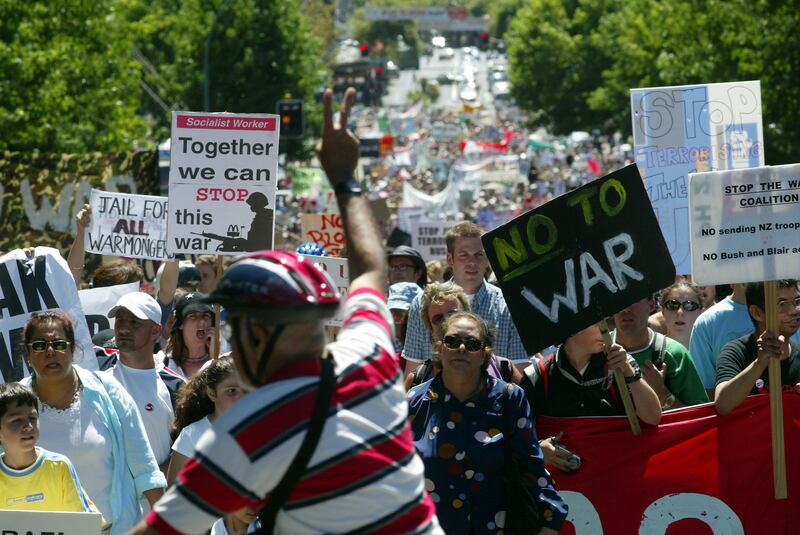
[(69, 81), (259, 53)]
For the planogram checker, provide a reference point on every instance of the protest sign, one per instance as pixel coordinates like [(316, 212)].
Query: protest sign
[(96, 302), (691, 474), (744, 224), (338, 270), (33, 285), (428, 237), (324, 229), (50, 523), (579, 258), (128, 225), (686, 129), (223, 169)]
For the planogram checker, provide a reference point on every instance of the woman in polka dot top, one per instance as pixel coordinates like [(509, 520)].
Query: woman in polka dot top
[(461, 420)]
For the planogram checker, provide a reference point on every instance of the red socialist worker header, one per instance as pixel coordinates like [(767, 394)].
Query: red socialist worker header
[(221, 122)]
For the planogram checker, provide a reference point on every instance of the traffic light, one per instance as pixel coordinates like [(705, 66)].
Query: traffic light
[(364, 48), (293, 122), (484, 40)]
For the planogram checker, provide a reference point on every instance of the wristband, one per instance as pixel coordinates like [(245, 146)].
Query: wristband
[(349, 187), (633, 378)]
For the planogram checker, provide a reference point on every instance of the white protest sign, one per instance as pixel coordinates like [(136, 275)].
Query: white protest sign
[(338, 270), (223, 169), (686, 129), (33, 285), (324, 229), (96, 302), (745, 224), (50, 522), (428, 237), (128, 225)]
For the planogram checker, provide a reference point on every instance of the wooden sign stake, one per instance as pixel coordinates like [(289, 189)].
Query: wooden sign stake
[(776, 397), (217, 312), (624, 393)]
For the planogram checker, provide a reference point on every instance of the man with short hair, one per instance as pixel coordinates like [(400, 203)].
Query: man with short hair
[(137, 326), (665, 363), (742, 364), (466, 257), (407, 265), (360, 473)]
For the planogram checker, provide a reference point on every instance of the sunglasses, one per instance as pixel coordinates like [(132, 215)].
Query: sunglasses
[(401, 267), (40, 346), (688, 306), (470, 344)]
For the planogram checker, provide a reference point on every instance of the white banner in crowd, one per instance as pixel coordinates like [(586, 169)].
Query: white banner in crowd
[(50, 522), (96, 302), (428, 237), (128, 225), (686, 129), (223, 169), (338, 270), (745, 224), (33, 285)]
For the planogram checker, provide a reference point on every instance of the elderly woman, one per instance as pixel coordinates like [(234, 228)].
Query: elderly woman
[(465, 423), (91, 419), (190, 336)]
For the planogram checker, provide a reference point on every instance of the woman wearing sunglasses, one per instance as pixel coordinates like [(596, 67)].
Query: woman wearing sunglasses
[(681, 304), (91, 419), (464, 423)]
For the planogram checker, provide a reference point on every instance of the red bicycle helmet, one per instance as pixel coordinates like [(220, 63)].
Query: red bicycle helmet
[(277, 287)]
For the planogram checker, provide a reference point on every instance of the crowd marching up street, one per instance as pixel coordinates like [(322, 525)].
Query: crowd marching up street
[(438, 317)]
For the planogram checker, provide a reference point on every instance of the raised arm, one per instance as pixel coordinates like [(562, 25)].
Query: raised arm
[(77, 252), (338, 154)]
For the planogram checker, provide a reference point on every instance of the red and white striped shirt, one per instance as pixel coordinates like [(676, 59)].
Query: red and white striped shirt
[(364, 476)]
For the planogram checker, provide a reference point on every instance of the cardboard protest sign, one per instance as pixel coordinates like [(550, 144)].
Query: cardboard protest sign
[(50, 522), (223, 169), (128, 225), (690, 475), (428, 237), (96, 302), (687, 129), (324, 229), (34, 285), (744, 224), (339, 272), (579, 258)]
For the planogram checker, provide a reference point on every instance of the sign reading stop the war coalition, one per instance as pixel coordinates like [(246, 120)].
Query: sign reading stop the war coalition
[(222, 176)]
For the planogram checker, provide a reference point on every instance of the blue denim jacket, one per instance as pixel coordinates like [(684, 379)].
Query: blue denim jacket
[(135, 467)]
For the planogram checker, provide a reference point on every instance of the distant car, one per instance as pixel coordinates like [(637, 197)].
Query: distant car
[(449, 78), (447, 53), (500, 88), (468, 93), (392, 70), (438, 41)]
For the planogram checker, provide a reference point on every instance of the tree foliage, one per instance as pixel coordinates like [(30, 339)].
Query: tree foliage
[(573, 62), (68, 79)]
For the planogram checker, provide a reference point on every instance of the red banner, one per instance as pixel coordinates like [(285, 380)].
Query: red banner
[(695, 474)]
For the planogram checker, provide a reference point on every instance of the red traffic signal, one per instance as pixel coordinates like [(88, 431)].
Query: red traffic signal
[(364, 48), (378, 70), (484, 36)]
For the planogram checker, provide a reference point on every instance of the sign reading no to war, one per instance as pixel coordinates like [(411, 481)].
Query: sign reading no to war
[(128, 225), (222, 176), (745, 224), (579, 258), (687, 129)]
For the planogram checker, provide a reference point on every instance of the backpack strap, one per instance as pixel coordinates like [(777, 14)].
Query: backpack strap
[(281, 493), (506, 370), (421, 373), (659, 345), (543, 373)]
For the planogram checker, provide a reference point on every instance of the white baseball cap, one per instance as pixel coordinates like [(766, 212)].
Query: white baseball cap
[(140, 305)]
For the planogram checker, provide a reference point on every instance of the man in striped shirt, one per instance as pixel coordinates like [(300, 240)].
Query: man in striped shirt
[(364, 475)]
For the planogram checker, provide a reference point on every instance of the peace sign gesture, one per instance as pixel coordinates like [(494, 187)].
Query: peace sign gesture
[(338, 148)]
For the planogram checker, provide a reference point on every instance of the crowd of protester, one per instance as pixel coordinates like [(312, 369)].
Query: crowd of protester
[(429, 456)]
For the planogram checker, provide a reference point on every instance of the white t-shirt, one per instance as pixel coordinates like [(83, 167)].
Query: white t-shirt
[(152, 399), (189, 437), (219, 527), (84, 440)]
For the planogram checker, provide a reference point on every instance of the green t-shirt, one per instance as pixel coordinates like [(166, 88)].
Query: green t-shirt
[(682, 378)]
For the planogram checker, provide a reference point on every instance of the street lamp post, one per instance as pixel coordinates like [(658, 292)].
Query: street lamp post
[(206, 51)]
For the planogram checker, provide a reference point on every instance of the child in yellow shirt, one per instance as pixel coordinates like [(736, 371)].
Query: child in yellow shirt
[(31, 478)]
